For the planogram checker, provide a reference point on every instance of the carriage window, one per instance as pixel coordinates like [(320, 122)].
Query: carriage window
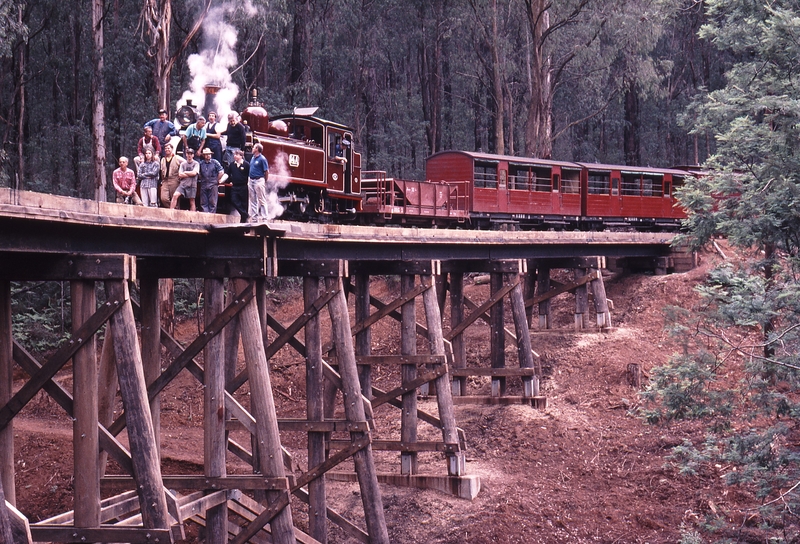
[(651, 186), (598, 183), (526, 178), (666, 189), (615, 186), (518, 177), (485, 175), (556, 182), (677, 183), (631, 185), (571, 182), (541, 179)]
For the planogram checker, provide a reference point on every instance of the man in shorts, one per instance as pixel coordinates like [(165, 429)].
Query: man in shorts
[(187, 173)]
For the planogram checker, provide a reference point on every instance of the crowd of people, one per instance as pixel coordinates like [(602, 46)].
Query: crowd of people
[(165, 178)]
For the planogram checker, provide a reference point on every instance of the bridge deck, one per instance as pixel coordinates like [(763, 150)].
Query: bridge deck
[(41, 223)]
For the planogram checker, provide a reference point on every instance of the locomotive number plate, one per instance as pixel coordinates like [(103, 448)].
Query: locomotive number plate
[(294, 160)]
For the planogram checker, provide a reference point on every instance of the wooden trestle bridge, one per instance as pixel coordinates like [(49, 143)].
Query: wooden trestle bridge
[(43, 237)]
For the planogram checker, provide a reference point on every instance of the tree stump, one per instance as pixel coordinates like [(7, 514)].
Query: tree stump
[(635, 375)]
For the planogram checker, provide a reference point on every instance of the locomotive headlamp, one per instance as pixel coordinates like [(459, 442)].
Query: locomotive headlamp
[(186, 115)]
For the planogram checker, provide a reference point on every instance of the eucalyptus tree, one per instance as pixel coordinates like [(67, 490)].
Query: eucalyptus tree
[(98, 102), (590, 65), (13, 34), (156, 23), (748, 323)]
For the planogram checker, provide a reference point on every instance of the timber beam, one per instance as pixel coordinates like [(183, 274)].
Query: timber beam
[(411, 267), (66, 267), (503, 266), (593, 261)]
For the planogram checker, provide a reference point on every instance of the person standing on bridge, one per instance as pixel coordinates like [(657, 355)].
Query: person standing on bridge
[(187, 173), (257, 210), (213, 141), (149, 171), (195, 135), (170, 168), (235, 137), (125, 184), (163, 130), (208, 180), (148, 141), (239, 176)]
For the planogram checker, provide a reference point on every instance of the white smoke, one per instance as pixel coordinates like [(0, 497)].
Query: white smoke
[(212, 66), (280, 176)]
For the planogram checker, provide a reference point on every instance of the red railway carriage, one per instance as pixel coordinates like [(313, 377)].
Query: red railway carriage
[(311, 159), (507, 191), (630, 195)]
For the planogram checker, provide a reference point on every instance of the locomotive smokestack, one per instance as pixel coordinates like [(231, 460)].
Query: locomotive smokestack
[(211, 96)]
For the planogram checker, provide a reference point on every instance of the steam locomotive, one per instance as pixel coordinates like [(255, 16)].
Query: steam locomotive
[(319, 177)]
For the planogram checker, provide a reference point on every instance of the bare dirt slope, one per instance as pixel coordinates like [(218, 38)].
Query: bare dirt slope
[(583, 470)]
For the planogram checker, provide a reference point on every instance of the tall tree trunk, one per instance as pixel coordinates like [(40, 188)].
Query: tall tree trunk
[(497, 87), (447, 88), (260, 62), (157, 17), (631, 131), (21, 110), (477, 115), (163, 66), (298, 68), (430, 68), (538, 131), (77, 62), (98, 110)]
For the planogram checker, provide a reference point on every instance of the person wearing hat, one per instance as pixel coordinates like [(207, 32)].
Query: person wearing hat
[(187, 172), (163, 130), (208, 181)]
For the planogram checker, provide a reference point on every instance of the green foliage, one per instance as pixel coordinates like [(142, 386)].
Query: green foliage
[(688, 459), (739, 369), (690, 537), (188, 295), (11, 29), (41, 317)]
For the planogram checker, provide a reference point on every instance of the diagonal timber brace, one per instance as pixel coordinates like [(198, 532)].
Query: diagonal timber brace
[(58, 360), (64, 399), (289, 333), (213, 329), (478, 313)]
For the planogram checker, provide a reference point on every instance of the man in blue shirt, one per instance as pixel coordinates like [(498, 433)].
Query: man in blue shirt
[(257, 187), (195, 135), (208, 179), (163, 130)]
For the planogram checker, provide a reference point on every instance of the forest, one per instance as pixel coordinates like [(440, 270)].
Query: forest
[(647, 82), (573, 80)]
